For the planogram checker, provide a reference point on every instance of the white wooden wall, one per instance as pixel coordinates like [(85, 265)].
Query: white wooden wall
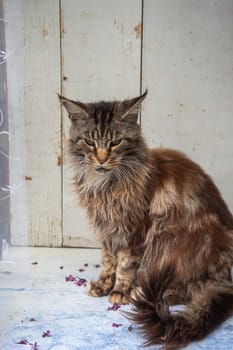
[(188, 67), (100, 59), (180, 50)]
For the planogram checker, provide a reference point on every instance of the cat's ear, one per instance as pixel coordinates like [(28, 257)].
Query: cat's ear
[(130, 108), (75, 109)]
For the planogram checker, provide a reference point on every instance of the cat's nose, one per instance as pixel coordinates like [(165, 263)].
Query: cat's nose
[(102, 155)]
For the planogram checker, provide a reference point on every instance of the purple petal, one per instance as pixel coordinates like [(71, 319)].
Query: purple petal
[(46, 334), (26, 342), (114, 307), (130, 328), (116, 325), (34, 346), (70, 278), (81, 270), (81, 282), (22, 342)]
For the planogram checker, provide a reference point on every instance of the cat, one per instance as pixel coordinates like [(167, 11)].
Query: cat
[(166, 232)]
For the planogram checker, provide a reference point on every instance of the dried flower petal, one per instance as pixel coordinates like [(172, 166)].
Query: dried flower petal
[(23, 342), (81, 270), (81, 282), (114, 307), (46, 334), (77, 280), (70, 278), (26, 342), (97, 265), (85, 265), (34, 346), (116, 325), (130, 328), (34, 263)]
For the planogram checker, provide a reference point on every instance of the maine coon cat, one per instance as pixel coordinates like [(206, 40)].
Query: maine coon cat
[(166, 232)]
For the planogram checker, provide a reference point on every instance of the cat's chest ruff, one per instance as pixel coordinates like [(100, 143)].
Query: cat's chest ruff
[(113, 206), (111, 201), (118, 219)]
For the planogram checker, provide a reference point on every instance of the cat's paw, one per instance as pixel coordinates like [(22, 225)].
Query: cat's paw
[(117, 297), (101, 287), (96, 289)]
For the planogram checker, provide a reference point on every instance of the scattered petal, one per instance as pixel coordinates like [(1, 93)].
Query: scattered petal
[(26, 342), (97, 265), (77, 280), (32, 320), (114, 307), (116, 325), (130, 328), (23, 342), (85, 265), (81, 282), (81, 270), (70, 278), (34, 263), (34, 346), (46, 334), (61, 267)]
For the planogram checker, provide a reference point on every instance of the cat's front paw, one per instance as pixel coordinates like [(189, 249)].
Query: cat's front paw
[(101, 287), (96, 289), (117, 297)]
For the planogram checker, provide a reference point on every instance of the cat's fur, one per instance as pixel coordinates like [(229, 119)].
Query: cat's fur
[(162, 222)]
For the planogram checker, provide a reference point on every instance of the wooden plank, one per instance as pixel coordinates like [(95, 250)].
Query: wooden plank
[(41, 27), (15, 86), (101, 48), (187, 66), (4, 139)]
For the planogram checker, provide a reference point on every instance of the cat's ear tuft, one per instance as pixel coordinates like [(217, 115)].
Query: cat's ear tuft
[(130, 108), (75, 109)]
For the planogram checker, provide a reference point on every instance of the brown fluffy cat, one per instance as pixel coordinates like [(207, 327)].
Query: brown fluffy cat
[(162, 222)]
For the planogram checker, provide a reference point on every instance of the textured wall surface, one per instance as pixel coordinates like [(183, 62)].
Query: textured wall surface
[(180, 50)]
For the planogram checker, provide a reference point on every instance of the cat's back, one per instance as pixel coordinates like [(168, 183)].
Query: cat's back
[(180, 182), (173, 165), (176, 176)]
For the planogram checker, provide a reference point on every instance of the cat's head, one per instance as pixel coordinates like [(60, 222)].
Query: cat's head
[(105, 136)]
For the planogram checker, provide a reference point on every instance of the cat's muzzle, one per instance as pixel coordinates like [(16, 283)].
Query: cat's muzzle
[(102, 170)]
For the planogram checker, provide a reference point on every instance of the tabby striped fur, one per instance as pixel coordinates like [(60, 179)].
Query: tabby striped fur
[(166, 232)]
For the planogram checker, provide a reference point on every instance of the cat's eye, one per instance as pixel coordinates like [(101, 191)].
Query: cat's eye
[(115, 142), (89, 142)]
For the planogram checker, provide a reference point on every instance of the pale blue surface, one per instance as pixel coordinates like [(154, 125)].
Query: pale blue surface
[(75, 320)]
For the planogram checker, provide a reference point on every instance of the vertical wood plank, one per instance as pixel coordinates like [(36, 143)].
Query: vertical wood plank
[(15, 86), (101, 48), (4, 137), (187, 66), (41, 26)]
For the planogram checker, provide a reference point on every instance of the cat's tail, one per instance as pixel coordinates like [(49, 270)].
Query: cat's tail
[(211, 304)]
